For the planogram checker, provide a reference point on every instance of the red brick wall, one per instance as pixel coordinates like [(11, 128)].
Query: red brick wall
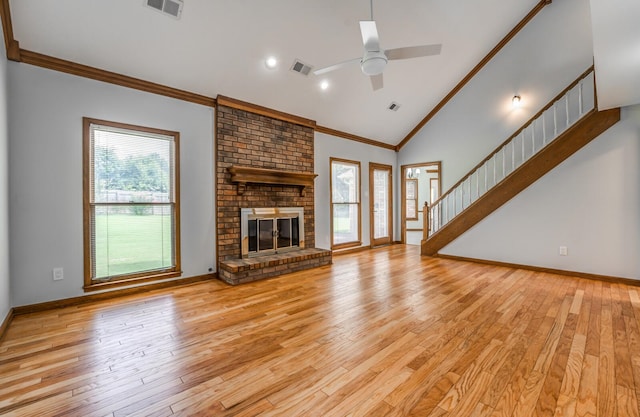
[(249, 139)]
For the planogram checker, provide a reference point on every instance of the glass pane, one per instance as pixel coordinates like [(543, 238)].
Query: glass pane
[(344, 182), (295, 232), (265, 234), (412, 187), (412, 212), (284, 233), (380, 203), (132, 238), (253, 235), (345, 223), (128, 167)]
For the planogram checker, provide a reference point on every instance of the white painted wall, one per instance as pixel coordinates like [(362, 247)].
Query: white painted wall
[(45, 174), (327, 146), (590, 203), (5, 288)]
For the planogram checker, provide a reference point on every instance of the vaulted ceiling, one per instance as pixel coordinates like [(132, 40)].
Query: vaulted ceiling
[(218, 47)]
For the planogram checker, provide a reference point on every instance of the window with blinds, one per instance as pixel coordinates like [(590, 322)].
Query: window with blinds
[(131, 203)]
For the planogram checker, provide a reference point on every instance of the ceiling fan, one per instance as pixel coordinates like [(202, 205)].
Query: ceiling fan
[(375, 58)]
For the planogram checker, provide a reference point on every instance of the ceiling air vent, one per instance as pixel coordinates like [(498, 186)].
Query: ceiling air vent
[(301, 67), (393, 106), (172, 8)]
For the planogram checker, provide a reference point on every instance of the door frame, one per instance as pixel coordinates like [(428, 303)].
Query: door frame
[(387, 240), (403, 193)]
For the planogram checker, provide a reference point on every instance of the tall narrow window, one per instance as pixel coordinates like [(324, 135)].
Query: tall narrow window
[(345, 203), (411, 186), (131, 203)]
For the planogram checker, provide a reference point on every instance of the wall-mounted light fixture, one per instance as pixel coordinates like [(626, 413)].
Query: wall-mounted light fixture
[(516, 101), (413, 172)]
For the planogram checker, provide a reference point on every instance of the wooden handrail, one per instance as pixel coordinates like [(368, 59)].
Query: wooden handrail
[(526, 125)]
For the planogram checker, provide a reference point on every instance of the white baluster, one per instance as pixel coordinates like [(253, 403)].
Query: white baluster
[(580, 109), (455, 203), (486, 177), (445, 210), (566, 105), (544, 131), (555, 121), (533, 138)]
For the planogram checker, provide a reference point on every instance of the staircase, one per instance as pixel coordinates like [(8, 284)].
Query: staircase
[(566, 124)]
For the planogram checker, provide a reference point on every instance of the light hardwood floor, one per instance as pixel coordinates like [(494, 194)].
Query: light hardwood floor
[(379, 333)]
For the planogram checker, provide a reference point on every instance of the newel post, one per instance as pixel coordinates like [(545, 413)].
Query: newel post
[(425, 221)]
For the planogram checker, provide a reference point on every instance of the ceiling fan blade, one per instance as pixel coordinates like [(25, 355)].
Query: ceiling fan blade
[(376, 82), (413, 51), (335, 66), (370, 38)]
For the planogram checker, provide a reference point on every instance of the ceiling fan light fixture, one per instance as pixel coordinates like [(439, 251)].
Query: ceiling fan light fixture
[(373, 63)]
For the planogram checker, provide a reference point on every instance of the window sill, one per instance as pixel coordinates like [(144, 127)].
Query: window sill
[(104, 285), (346, 245)]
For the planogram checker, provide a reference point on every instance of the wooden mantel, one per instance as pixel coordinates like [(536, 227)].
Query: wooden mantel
[(247, 175)]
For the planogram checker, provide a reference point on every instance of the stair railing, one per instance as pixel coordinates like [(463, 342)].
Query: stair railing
[(566, 109)]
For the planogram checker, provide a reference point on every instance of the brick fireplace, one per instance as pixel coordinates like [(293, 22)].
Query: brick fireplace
[(262, 163)]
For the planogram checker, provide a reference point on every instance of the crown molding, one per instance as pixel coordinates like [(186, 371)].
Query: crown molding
[(57, 64), (264, 111), (356, 138)]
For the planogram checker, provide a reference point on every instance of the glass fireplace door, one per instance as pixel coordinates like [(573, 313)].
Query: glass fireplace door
[(271, 235)]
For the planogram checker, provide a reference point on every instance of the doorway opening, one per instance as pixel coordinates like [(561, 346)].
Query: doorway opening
[(421, 182)]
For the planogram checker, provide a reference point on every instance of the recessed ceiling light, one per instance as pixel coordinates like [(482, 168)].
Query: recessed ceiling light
[(324, 84), (271, 62)]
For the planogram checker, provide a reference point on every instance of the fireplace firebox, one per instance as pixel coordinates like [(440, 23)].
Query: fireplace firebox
[(265, 231)]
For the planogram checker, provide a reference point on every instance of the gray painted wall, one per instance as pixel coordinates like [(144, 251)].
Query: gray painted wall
[(590, 203), (45, 174), (5, 289), (537, 64), (327, 147)]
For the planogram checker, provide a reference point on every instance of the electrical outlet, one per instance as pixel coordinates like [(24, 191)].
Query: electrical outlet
[(58, 274), (562, 251)]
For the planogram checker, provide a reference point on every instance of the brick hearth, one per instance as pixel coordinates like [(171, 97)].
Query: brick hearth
[(239, 271)]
